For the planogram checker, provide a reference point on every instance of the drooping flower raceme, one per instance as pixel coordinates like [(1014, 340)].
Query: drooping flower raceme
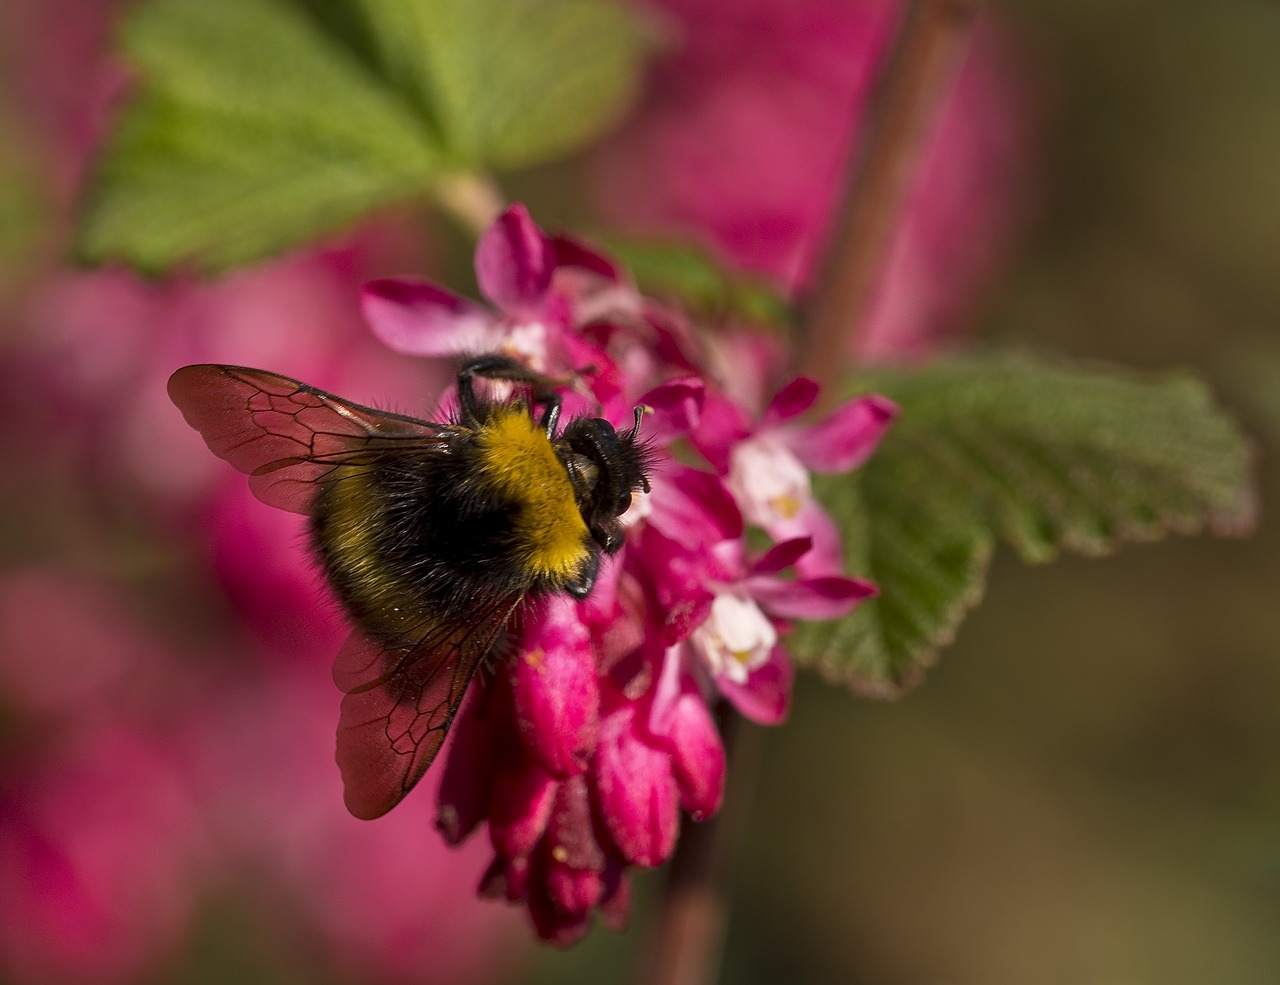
[(580, 753)]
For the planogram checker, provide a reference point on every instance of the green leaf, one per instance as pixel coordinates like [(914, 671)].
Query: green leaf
[(260, 124), (703, 286), (1045, 457), (510, 83)]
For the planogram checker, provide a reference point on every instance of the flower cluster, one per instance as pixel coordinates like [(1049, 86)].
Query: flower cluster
[(581, 754)]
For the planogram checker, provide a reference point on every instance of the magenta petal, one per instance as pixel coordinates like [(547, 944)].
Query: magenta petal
[(506, 878), (557, 700), (522, 799), (467, 782), (552, 923), (781, 556), (514, 262), (667, 691), (676, 409), (615, 908), (573, 858), (418, 318), (573, 890), (693, 507), (792, 400), (572, 252), (846, 439), (571, 834), (699, 759), (638, 795), (765, 698), (721, 426), (826, 556), (683, 598), (824, 597)]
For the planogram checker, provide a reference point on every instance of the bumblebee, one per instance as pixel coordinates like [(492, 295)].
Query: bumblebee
[(432, 535)]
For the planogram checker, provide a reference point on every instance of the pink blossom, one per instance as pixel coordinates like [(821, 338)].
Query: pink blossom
[(581, 755), (747, 131), (107, 901), (387, 901), (71, 646), (540, 286), (767, 464), (579, 749)]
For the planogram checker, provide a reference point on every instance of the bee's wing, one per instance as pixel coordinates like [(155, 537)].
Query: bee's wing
[(401, 700), (285, 435)]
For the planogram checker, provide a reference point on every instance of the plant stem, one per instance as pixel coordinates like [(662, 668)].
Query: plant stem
[(686, 943), (473, 199), (916, 78)]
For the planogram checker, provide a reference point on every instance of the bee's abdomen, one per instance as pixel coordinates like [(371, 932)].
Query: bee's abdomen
[(406, 541)]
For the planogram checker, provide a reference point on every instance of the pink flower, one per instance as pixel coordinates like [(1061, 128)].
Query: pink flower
[(385, 901), (767, 464), (541, 287), (746, 134), (580, 755), (106, 901), (735, 648), (73, 647)]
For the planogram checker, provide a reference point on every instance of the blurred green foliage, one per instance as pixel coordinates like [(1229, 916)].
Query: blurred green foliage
[(261, 124)]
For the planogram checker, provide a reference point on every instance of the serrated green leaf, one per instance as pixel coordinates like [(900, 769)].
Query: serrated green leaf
[(262, 123), (1042, 456)]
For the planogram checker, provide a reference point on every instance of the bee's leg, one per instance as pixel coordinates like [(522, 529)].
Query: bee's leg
[(582, 583), (498, 367)]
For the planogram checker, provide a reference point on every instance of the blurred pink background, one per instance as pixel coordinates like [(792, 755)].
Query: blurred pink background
[(1086, 789)]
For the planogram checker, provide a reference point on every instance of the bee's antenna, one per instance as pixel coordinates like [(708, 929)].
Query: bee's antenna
[(641, 410)]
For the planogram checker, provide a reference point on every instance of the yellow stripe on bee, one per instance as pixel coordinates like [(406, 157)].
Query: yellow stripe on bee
[(353, 516), (519, 461)]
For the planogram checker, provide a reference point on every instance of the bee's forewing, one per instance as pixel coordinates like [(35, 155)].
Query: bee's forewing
[(285, 435)]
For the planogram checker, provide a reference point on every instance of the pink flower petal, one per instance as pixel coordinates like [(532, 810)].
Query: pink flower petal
[(824, 597), (638, 796), (699, 757), (681, 592), (573, 252), (676, 409), (846, 439), (522, 798), (667, 690), (781, 556), (557, 701), (826, 556), (514, 263), (571, 834), (615, 907), (692, 507), (416, 317), (573, 891), (574, 859), (722, 425), (791, 401), (765, 698), (556, 926), (467, 782), (506, 878)]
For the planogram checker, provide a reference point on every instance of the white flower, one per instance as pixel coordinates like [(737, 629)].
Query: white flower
[(736, 638)]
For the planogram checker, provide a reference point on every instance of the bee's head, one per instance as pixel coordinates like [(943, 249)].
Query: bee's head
[(606, 468)]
